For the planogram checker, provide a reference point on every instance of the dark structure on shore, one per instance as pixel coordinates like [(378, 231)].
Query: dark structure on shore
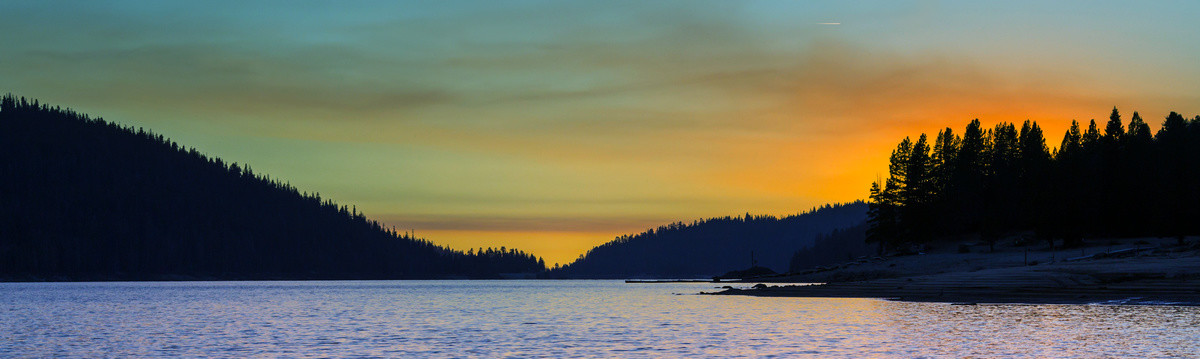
[(86, 199)]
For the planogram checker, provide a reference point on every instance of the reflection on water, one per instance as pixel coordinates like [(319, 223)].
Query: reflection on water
[(553, 319)]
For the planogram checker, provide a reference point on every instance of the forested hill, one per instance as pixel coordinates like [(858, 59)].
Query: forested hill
[(712, 246), (85, 199)]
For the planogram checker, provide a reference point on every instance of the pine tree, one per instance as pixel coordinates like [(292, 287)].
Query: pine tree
[(898, 162), (971, 160), (1032, 145), (1174, 130), (1004, 152), (1113, 131), (1172, 158), (1072, 143), (1066, 191), (944, 157), (917, 180), (1139, 131), (881, 216), (1091, 138)]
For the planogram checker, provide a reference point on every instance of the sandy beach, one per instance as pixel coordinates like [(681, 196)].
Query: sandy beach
[(1129, 271)]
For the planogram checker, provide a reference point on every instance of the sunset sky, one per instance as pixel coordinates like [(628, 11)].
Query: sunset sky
[(555, 126)]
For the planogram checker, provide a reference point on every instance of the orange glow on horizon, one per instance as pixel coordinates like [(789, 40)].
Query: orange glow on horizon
[(560, 247)]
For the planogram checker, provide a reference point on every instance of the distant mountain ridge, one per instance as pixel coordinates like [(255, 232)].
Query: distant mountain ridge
[(85, 199), (713, 246)]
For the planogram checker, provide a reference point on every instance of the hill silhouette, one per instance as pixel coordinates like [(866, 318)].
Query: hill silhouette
[(86, 199), (712, 246)]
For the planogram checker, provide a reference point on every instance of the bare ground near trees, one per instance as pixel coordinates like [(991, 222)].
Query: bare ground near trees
[(1105, 271)]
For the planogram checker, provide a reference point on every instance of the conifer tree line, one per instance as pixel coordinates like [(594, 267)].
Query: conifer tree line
[(82, 198), (1119, 180)]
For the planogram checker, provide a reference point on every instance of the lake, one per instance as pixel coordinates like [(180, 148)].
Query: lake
[(553, 319)]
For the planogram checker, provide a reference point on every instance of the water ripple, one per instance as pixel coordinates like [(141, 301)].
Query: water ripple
[(525, 319)]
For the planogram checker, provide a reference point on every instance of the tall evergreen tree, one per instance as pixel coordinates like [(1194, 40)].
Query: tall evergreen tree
[(898, 163), (918, 191), (964, 187), (881, 216), (1032, 144), (1174, 130), (1139, 132), (1176, 176), (944, 158), (1114, 130), (1137, 168), (1072, 143), (917, 188), (1066, 190), (1091, 138)]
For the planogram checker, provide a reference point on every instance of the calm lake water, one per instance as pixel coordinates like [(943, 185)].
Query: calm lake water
[(552, 319)]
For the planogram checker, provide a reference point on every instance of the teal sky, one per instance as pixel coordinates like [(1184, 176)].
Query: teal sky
[(555, 126)]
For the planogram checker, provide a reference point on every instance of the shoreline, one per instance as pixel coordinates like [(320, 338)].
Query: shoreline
[(1167, 275), (1129, 295)]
